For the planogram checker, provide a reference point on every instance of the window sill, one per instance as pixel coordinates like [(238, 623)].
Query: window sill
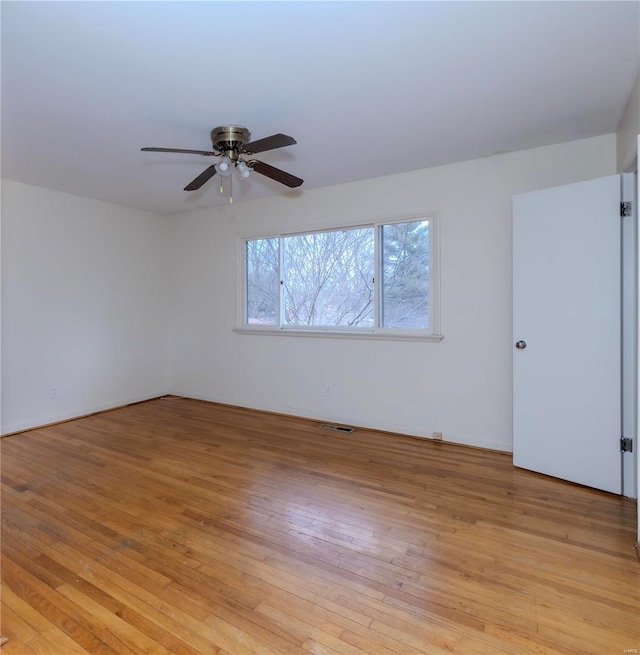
[(341, 334)]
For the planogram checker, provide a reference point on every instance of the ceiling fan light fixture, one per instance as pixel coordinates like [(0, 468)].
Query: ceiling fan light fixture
[(224, 167), (231, 143), (243, 169)]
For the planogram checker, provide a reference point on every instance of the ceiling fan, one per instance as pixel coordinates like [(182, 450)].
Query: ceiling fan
[(232, 143)]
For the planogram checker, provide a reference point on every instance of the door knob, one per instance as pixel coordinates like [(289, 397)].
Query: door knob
[(521, 345)]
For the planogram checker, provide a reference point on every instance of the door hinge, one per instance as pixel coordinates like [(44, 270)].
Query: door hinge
[(626, 208), (626, 445)]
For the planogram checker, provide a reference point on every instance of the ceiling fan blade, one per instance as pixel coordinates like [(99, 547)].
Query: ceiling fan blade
[(190, 152), (205, 176), (275, 173), (269, 143)]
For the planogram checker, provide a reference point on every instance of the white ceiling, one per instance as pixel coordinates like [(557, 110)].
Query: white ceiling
[(367, 88)]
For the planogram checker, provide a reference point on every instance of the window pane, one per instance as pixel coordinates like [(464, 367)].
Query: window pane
[(328, 278), (405, 275), (263, 281)]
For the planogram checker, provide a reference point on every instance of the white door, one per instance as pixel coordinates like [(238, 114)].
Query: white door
[(566, 332)]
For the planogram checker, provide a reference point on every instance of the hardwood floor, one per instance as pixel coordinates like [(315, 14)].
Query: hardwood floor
[(177, 526)]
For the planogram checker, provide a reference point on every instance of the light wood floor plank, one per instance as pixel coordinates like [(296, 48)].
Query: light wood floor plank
[(183, 527)]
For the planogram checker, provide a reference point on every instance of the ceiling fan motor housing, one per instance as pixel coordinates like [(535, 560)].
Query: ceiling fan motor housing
[(229, 137)]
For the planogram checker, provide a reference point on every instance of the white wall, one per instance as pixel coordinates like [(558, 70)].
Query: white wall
[(91, 292), (83, 305), (628, 130), (461, 386)]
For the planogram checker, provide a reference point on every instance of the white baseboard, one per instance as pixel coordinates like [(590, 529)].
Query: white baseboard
[(78, 412), (397, 428)]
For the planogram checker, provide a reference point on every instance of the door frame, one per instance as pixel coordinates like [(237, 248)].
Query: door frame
[(630, 288)]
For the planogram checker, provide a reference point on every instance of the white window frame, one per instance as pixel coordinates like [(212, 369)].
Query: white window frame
[(432, 334)]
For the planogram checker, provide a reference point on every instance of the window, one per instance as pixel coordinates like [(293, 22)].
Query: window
[(375, 279)]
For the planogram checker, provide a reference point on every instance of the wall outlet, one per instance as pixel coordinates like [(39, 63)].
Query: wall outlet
[(53, 392), (327, 389), (437, 436)]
